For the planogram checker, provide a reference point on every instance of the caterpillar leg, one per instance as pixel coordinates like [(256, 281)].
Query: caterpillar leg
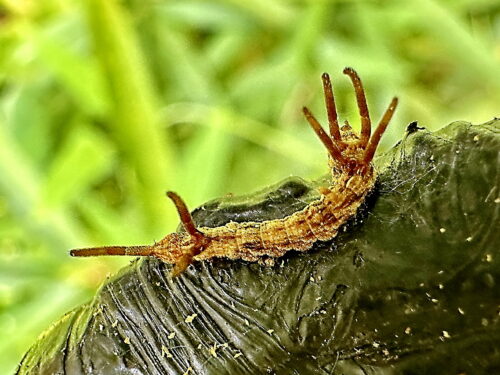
[(198, 239)]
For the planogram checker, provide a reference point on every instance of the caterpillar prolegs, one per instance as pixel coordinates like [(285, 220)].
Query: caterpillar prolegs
[(353, 177)]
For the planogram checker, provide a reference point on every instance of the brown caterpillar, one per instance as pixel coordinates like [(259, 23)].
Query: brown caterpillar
[(353, 177)]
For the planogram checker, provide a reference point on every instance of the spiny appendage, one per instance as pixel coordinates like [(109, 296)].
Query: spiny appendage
[(176, 248), (348, 155), (350, 159)]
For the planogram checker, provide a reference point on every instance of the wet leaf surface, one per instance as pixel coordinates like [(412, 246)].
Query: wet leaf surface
[(408, 286)]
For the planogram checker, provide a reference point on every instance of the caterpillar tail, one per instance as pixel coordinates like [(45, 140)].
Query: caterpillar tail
[(138, 250)]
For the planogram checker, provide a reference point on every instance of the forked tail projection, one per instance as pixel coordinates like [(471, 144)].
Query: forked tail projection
[(353, 177)]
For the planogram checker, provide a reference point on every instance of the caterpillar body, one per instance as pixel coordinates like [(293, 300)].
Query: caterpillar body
[(353, 177)]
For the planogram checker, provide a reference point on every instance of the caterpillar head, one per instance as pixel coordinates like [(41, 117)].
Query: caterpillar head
[(348, 152)]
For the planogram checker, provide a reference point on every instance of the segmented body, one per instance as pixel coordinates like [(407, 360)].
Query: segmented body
[(318, 221), (353, 177)]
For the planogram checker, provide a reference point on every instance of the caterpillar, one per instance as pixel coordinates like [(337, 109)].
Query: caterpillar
[(353, 176)]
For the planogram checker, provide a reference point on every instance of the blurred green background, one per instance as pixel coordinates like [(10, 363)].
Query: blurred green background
[(105, 105)]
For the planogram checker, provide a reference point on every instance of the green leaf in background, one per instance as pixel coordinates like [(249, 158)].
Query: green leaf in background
[(84, 159), (134, 117), (81, 77)]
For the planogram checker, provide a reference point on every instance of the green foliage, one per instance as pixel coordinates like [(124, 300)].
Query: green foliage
[(104, 105)]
